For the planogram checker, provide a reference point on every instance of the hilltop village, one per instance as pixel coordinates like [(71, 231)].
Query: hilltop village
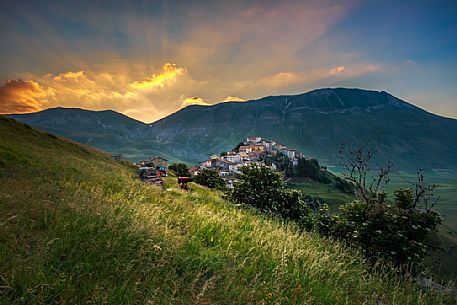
[(254, 150)]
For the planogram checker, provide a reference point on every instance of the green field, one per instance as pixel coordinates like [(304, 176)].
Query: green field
[(325, 192), (78, 228)]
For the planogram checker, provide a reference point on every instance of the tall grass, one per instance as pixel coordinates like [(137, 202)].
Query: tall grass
[(78, 228)]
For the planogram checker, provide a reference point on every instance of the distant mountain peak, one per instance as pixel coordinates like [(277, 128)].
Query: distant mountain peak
[(315, 122)]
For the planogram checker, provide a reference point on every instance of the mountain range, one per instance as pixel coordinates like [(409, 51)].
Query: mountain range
[(317, 123)]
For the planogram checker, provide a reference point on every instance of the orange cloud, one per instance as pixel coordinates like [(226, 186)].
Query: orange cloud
[(119, 90), (18, 96), (69, 76), (282, 78), (194, 101), (233, 99), (168, 89), (168, 75)]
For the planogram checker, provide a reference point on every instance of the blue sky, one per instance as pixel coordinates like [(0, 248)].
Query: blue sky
[(148, 59)]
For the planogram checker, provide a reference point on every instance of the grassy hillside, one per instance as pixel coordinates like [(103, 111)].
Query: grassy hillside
[(78, 228)]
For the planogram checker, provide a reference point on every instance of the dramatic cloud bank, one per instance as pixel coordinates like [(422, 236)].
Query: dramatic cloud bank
[(18, 96), (152, 58)]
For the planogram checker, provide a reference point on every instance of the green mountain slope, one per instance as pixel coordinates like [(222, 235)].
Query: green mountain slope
[(316, 123), (78, 228), (107, 130)]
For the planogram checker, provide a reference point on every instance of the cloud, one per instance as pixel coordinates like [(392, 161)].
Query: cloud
[(145, 98), (337, 70), (168, 76), (166, 89), (352, 70), (101, 59), (374, 68), (194, 101), (22, 96), (117, 61), (282, 78), (70, 76), (233, 99)]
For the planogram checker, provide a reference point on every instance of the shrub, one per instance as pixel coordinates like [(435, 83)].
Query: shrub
[(180, 169), (209, 178), (395, 232), (401, 231), (261, 187)]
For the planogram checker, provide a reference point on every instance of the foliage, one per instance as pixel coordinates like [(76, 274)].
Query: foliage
[(262, 188), (237, 147), (401, 236), (209, 178), (282, 163), (400, 232), (180, 169), (309, 168)]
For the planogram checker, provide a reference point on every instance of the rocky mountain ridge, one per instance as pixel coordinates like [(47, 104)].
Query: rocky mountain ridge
[(317, 123)]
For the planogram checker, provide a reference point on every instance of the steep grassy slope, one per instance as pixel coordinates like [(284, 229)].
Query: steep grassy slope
[(77, 228)]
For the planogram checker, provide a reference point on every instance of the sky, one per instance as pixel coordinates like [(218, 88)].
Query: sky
[(148, 59)]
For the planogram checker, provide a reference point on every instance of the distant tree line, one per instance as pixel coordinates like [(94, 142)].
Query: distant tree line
[(308, 168)]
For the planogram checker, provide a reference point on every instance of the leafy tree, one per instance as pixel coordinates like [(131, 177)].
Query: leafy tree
[(282, 163), (309, 168), (398, 231), (209, 178), (237, 147), (261, 187), (180, 169)]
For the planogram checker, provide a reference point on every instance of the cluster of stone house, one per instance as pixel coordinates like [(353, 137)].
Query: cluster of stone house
[(155, 164), (254, 151), (255, 146)]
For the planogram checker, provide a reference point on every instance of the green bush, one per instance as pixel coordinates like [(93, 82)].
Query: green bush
[(180, 169), (262, 188), (399, 232), (209, 178)]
